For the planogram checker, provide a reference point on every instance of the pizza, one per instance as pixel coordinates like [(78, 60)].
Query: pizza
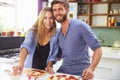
[(35, 72), (62, 77)]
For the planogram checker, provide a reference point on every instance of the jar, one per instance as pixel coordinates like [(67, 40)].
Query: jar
[(112, 21), (97, 0), (104, 0), (3, 34)]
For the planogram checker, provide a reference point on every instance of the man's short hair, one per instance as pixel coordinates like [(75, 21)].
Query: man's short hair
[(65, 2)]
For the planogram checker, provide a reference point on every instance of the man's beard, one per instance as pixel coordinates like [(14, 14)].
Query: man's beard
[(63, 19)]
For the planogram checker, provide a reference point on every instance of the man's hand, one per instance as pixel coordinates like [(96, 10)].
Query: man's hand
[(49, 70), (87, 74)]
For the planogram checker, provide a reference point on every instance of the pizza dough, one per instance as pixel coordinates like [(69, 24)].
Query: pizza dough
[(35, 72)]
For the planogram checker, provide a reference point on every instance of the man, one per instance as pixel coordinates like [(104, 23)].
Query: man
[(74, 39)]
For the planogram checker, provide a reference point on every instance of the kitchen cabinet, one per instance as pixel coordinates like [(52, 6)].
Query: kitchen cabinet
[(7, 43), (99, 13), (108, 67)]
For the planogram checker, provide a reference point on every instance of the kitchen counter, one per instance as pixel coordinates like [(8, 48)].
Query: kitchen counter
[(109, 52), (109, 64), (5, 74)]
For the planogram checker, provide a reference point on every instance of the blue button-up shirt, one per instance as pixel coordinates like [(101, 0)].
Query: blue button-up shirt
[(30, 43), (75, 44)]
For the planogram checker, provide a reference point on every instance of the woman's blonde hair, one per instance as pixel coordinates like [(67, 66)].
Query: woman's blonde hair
[(40, 27)]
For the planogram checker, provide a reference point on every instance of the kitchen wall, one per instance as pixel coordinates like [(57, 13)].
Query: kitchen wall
[(16, 15), (109, 35), (27, 11)]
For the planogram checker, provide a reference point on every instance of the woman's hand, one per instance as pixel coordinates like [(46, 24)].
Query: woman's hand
[(17, 70)]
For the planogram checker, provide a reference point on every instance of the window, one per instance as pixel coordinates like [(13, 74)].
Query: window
[(7, 15), (16, 16)]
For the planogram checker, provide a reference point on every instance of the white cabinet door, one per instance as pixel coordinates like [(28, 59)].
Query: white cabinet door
[(108, 69)]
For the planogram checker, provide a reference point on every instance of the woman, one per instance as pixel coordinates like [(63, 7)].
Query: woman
[(40, 43)]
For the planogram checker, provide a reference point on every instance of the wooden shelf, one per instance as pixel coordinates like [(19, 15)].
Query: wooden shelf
[(94, 12), (99, 26), (106, 27), (98, 2), (83, 14), (98, 14), (114, 2), (83, 2), (114, 26), (113, 14)]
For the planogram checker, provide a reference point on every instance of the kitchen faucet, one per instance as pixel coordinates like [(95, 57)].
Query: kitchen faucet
[(101, 40)]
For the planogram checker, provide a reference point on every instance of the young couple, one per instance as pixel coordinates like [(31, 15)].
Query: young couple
[(41, 44)]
